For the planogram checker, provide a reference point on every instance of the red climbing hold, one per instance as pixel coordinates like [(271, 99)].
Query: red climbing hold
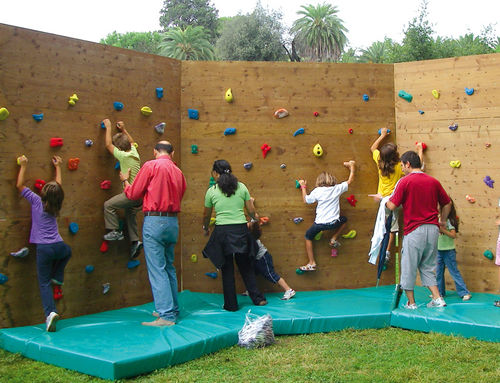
[(316, 114), (352, 200), (265, 149), (56, 141), (73, 163), (106, 184), (424, 146), (351, 131), (104, 246), (39, 184), (58, 294)]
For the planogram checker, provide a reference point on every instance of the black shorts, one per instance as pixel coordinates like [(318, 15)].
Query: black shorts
[(317, 227)]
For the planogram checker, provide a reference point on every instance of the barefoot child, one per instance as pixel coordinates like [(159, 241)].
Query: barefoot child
[(52, 254), (326, 194)]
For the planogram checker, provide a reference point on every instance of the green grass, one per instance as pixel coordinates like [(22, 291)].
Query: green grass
[(387, 355)]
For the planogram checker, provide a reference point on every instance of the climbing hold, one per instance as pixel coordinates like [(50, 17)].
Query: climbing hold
[(73, 99), (352, 200), (193, 114), (488, 181), (487, 144), (299, 131), (264, 220), (159, 93), (228, 96), (194, 258), (488, 254), (334, 252), (299, 271), (297, 184), (89, 269), (18, 160), (318, 150), (211, 275), (118, 105), (380, 131), (56, 141), (89, 143), (350, 235), (160, 128), (366, 97), (194, 149), (133, 263), (435, 93), (470, 198), (265, 149), (4, 113), (298, 220), (38, 117), (453, 127), (280, 113), (212, 221), (318, 236), (3, 278), (405, 95), (421, 112), (469, 91), (212, 182), (106, 184), (104, 246), (106, 287), (39, 184), (146, 111), (73, 228), (424, 146), (21, 253), (73, 163), (351, 131), (102, 125), (57, 290), (316, 114), (455, 164), (247, 165), (229, 131), (117, 165), (283, 166)]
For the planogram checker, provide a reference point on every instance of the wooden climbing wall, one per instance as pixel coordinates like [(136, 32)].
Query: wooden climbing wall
[(38, 73), (335, 91), (478, 120)]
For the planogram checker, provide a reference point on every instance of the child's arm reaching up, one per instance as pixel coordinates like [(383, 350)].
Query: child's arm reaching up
[(350, 165), (23, 162), (120, 125), (57, 161), (383, 133), (303, 189)]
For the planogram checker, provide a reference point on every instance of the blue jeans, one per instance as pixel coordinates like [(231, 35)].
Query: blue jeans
[(160, 236), (447, 258)]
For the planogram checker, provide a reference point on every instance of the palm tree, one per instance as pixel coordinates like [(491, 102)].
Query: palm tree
[(191, 43), (320, 32), (374, 53)]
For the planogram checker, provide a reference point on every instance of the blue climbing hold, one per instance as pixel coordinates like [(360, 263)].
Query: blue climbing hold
[(38, 117), (193, 114), (299, 131), (89, 269), (366, 97), (132, 264), (73, 228), (102, 125), (117, 105), (229, 131), (469, 91), (421, 112), (211, 275), (159, 92), (380, 131), (117, 165), (3, 278)]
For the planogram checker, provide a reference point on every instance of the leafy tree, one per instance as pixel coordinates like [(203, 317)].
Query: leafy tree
[(349, 56), (256, 36), (320, 33), (184, 13), (375, 53), (147, 42), (188, 44)]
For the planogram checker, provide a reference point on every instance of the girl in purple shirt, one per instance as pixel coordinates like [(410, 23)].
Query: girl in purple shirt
[(52, 254)]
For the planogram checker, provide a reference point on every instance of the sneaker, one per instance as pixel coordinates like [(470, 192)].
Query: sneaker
[(160, 322), (289, 294), (51, 321), (466, 297), (409, 306), (245, 293), (262, 303), (114, 235), (496, 303), (21, 253), (135, 249), (439, 302)]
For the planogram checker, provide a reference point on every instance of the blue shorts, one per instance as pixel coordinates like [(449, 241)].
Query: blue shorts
[(265, 267), (317, 227)]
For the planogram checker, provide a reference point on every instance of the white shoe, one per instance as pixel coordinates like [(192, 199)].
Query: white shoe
[(466, 297), (289, 294), (409, 306), (51, 321), (438, 302)]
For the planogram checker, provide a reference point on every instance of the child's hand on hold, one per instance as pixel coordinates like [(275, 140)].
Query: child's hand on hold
[(120, 125), (303, 183), (57, 161), (419, 147), (350, 164), (384, 132), (107, 123), (23, 160)]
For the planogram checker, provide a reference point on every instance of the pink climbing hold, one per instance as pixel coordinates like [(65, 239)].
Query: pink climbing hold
[(106, 184)]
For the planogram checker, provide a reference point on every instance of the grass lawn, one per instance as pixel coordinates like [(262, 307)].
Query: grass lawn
[(387, 355)]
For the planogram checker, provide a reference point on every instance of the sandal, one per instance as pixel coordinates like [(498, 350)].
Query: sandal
[(496, 304), (334, 244), (308, 267)]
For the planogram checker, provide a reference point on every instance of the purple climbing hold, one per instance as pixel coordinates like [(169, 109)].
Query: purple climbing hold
[(453, 127), (89, 143), (488, 181), (298, 220), (248, 165), (160, 128)]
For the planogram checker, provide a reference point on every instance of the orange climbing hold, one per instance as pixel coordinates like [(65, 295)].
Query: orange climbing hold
[(280, 113), (73, 163), (264, 220)]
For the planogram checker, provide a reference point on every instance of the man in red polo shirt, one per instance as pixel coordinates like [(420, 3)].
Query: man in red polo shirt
[(161, 186), (420, 195)]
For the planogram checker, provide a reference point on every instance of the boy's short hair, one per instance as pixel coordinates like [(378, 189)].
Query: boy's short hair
[(413, 158), (121, 141)]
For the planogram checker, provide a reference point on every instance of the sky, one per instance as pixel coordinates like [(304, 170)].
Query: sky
[(366, 20)]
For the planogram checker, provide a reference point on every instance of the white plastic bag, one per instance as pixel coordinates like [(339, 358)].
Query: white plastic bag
[(256, 332)]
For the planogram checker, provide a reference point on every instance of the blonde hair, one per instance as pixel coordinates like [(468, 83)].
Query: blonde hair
[(325, 179)]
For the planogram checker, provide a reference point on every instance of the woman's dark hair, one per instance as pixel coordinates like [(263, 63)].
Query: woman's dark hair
[(52, 198), (413, 158), (255, 230), (227, 182), (453, 216), (389, 158)]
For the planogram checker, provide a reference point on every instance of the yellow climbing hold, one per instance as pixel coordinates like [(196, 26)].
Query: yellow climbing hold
[(455, 164), (194, 258), (435, 93), (318, 150), (73, 99), (229, 95), (146, 110), (317, 237), (350, 235), (4, 113), (212, 221)]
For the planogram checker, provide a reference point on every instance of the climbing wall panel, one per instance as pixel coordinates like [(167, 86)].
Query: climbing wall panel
[(335, 91), (38, 73), (478, 119)]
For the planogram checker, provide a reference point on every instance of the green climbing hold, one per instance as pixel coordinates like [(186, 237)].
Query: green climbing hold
[(299, 271), (405, 95), (488, 254), (212, 182), (317, 237)]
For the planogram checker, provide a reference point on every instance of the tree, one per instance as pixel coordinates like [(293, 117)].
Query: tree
[(188, 44), (320, 33), (418, 42), (349, 56), (256, 36), (375, 53), (147, 42), (184, 13)]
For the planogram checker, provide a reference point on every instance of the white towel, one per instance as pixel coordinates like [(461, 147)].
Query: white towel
[(378, 232)]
